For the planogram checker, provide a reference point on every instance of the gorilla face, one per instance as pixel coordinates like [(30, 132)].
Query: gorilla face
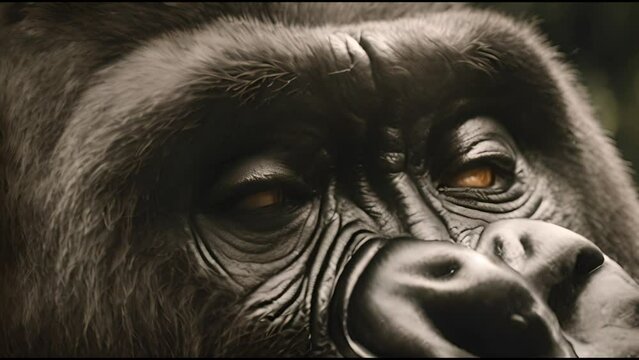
[(305, 179)]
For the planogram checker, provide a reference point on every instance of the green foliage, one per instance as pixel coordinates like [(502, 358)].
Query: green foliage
[(601, 40)]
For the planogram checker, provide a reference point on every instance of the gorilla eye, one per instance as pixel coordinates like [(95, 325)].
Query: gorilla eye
[(261, 199), (493, 173), (480, 156), (263, 186), (276, 197), (478, 177)]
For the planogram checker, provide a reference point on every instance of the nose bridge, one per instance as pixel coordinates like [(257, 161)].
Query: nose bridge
[(544, 253), (365, 75), (416, 210), (387, 139)]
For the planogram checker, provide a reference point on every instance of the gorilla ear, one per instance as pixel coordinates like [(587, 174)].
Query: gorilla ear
[(11, 13)]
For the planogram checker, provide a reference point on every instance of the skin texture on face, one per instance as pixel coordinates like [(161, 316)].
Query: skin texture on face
[(305, 179)]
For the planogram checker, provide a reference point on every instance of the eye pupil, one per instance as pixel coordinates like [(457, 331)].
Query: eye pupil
[(260, 199), (481, 177)]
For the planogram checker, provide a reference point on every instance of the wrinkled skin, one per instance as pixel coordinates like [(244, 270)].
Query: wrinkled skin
[(305, 179)]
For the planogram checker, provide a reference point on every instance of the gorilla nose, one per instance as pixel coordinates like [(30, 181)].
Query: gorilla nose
[(406, 297), (552, 258)]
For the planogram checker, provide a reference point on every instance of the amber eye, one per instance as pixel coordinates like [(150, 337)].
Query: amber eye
[(260, 199), (479, 177)]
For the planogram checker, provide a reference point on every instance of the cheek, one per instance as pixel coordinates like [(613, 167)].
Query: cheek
[(298, 294), (245, 256), (306, 248)]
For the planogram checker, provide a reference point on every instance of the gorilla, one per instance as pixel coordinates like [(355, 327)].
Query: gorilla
[(305, 179)]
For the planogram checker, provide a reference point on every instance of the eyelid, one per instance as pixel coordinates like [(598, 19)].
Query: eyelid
[(488, 145), (260, 173), (500, 160), (463, 147), (259, 168)]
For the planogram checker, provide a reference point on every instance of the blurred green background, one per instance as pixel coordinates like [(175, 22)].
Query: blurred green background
[(600, 40)]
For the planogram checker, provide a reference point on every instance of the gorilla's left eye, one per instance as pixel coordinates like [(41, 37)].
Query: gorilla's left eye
[(480, 157), (478, 177), (482, 174)]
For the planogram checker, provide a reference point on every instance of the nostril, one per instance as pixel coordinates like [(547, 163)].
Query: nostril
[(498, 247), (518, 322), (588, 260), (562, 296), (442, 269)]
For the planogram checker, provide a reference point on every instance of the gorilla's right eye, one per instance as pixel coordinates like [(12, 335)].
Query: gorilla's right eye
[(261, 199), (260, 187), (269, 195)]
